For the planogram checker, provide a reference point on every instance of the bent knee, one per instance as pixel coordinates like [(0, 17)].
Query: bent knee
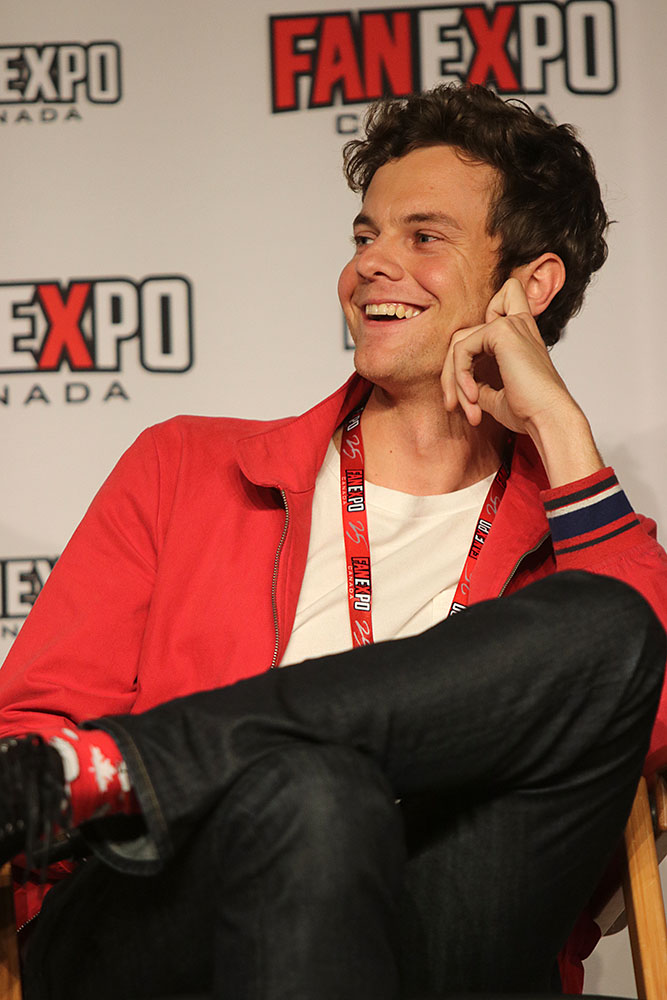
[(325, 792), (614, 605)]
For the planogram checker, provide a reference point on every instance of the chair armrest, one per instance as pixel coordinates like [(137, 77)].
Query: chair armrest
[(10, 974), (608, 903), (658, 792)]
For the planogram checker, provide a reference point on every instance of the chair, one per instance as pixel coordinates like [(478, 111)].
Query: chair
[(10, 975), (640, 901), (640, 904)]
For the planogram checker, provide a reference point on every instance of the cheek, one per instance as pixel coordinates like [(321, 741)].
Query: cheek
[(347, 283), (434, 277)]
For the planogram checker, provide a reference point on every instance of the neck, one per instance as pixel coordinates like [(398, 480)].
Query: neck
[(414, 445)]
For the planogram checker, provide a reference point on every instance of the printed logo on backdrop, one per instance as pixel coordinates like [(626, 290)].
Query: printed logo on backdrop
[(91, 326), (53, 81), (21, 580), (328, 59)]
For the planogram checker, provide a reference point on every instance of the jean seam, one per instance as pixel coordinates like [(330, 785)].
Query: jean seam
[(141, 784)]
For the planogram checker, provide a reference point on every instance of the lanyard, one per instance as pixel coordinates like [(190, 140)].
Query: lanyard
[(355, 531)]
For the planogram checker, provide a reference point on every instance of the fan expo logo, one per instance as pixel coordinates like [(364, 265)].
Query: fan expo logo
[(44, 83), (319, 60), (21, 580), (92, 325)]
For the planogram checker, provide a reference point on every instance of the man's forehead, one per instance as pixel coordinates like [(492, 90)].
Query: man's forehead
[(432, 181), (422, 216)]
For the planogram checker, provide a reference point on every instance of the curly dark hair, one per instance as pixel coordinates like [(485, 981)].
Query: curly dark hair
[(548, 197)]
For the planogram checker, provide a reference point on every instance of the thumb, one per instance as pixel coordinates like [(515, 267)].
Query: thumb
[(509, 300)]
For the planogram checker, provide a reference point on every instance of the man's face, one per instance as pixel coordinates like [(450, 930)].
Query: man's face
[(423, 266)]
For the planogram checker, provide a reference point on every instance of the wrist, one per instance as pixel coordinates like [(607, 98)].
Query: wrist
[(566, 446)]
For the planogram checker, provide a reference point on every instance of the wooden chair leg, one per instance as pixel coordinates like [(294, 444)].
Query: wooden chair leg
[(10, 972), (644, 903)]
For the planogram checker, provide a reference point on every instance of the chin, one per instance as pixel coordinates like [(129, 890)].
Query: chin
[(389, 374), (369, 372), (373, 365)]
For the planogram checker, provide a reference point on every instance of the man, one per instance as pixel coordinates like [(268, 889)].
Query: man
[(262, 814)]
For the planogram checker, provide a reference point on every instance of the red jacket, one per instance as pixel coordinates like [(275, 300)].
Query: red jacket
[(186, 570)]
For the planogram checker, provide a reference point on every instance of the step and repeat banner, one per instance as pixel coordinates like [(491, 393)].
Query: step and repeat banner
[(175, 219)]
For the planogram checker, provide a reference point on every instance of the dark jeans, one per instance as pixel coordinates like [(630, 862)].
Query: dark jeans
[(514, 734)]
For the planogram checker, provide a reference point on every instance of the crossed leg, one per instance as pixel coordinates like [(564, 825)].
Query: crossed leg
[(521, 726)]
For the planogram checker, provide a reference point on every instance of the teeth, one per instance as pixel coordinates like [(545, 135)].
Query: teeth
[(392, 309)]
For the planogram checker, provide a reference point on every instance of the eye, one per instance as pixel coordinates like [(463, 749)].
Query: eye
[(425, 238), (361, 240)]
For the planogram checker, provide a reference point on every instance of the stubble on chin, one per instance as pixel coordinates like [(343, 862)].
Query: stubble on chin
[(409, 370)]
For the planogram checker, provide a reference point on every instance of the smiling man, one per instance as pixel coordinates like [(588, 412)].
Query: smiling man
[(419, 799), (422, 303)]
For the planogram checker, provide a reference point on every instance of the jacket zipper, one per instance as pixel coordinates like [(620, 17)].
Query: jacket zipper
[(520, 560), (26, 922), (274, 585)]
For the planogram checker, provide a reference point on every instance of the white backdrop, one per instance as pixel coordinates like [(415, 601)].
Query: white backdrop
[(139, 141)]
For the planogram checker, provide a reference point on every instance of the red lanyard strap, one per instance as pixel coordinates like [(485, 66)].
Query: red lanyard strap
[(484, 523), (355, 531)]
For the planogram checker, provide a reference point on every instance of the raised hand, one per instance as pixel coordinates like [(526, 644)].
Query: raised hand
[(503, 368)]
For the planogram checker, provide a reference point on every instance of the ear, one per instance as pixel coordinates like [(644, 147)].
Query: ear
[(542, 279)]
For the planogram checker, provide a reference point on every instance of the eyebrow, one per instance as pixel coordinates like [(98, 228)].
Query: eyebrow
[(441, 218)]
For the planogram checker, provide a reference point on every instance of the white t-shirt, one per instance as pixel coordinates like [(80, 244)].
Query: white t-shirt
[(418, 548)]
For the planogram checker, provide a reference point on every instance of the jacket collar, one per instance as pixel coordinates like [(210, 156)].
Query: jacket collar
[(287, 454)]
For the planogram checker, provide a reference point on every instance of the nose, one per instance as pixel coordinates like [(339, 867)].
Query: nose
[(379, 259)]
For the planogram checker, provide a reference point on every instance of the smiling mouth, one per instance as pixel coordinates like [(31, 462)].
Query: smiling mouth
[(391, 310)]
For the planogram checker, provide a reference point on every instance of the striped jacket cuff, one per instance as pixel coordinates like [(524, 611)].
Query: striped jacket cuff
[(588, 512)]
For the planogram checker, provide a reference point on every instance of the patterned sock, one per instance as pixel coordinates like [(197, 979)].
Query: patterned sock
[(96, 778)]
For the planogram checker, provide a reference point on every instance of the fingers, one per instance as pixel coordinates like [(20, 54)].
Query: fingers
[(458, 381), (492, 401), (518, 354), (511, 337), (509, 300)]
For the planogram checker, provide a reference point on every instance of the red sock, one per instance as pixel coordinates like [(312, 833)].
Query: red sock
[(96, 778)]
